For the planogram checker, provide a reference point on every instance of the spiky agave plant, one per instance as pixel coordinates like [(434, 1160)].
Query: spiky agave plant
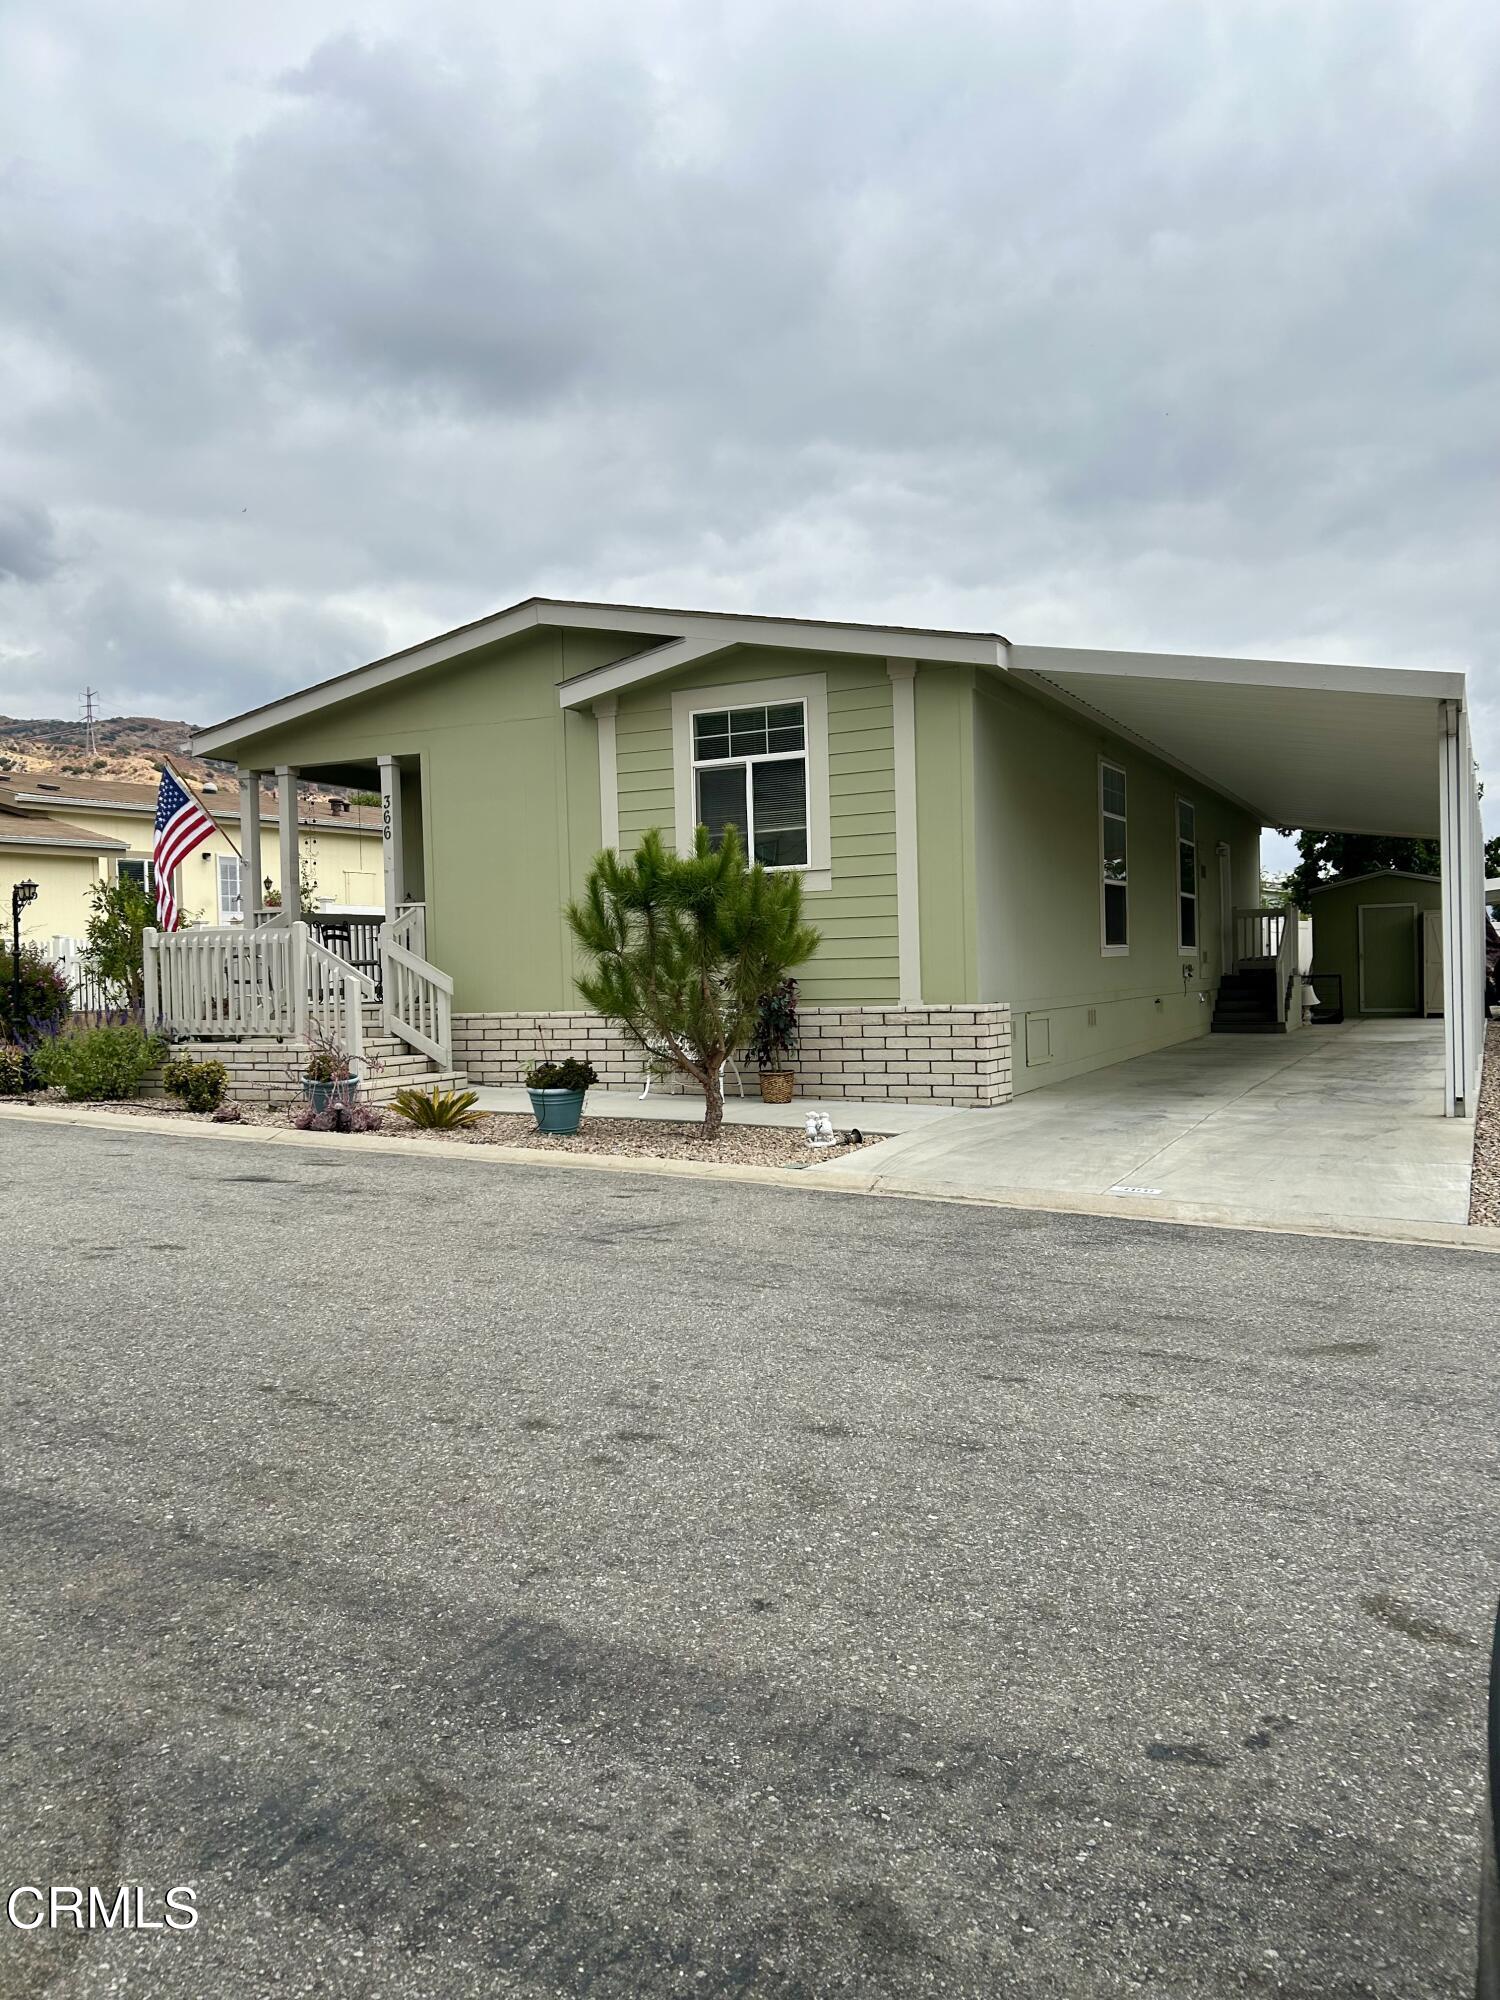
[(437, 1110)]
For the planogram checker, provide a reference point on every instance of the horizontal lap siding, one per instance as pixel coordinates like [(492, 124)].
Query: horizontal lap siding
[(857, 958)]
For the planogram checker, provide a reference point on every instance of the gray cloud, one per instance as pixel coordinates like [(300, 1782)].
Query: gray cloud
[(1121, 323)]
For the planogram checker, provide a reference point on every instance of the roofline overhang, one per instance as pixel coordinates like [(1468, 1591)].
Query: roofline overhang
[(1374, 875), (704, 631), (1037, 666), (45, 841)]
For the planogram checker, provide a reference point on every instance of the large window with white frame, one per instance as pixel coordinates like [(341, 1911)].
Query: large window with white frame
[(1114, 860), (750, 772), (1187, 876), (142, 872)]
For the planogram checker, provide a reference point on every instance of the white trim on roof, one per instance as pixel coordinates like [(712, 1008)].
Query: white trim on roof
[(94, 845), (1374, 875), (704, 631)]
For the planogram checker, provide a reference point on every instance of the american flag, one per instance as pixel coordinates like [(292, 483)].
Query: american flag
[(181, 825)]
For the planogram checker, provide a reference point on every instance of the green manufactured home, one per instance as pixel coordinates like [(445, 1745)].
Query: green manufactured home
[(1022, 864)]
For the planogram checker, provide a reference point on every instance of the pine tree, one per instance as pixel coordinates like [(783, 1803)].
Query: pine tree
[(683, 947)]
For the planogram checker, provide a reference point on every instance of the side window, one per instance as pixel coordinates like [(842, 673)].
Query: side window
[(138, 871), (1187, 876), (1114, 860)]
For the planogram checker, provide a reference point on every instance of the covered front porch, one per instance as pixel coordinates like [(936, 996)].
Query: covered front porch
[(293, 974)]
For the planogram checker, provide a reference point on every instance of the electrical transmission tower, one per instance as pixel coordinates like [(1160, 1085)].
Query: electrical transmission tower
[(90, 717)]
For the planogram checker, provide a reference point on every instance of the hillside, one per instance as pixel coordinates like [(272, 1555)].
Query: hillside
[(129, 747)]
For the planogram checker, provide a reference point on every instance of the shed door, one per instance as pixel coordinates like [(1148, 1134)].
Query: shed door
[(1388, 958)]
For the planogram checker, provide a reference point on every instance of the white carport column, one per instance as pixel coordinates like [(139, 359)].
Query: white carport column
[(251, 889), (1463, 906), (286, 815), (390, 837)]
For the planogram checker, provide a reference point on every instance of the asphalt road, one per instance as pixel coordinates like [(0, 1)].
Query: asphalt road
[(517, 1581)]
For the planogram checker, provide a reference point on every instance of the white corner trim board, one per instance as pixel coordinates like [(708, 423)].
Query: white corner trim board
[(903, 675), (605, 710)]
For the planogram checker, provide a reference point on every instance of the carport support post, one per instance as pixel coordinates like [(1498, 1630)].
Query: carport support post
[(390, 836), (286, 813), (1463, 990), (250, 877)]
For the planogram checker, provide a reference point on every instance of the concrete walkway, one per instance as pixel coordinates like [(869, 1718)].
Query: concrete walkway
[(678, 1108), (1333, 1125)]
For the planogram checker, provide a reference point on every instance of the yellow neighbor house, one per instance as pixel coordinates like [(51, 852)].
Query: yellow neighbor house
[(67, 834)]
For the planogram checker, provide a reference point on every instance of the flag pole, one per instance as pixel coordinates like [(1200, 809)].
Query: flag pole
[(200, 800)]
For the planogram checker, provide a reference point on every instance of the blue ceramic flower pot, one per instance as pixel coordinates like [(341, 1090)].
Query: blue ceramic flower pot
[(557, 1111), (320, 1095)]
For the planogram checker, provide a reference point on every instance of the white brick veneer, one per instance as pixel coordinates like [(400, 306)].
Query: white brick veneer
[(947, 1055)]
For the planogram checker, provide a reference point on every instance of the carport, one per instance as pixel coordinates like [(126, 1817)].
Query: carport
[(1368, 750)]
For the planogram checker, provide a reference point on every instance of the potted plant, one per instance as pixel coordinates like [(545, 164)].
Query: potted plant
[(773, 1039), (327, 1075), (557, 1092)]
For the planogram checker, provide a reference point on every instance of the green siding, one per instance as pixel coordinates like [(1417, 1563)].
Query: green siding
[(509, 795), (856, 917), (1036, 856)]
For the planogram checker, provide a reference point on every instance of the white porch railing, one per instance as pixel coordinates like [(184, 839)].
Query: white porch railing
[(1266, 940), (228, 983), (416, 998), (1257, 936)]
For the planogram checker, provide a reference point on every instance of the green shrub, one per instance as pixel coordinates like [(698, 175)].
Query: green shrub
[(12, 1070), (199, 1085), (437, 1110), (42, 1005), (570, 1074), (104, 1063)]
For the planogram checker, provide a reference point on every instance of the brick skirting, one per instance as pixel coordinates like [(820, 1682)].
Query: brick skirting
[(945, 1055)]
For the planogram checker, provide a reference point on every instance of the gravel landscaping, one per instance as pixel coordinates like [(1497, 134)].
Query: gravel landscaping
[(1484, 1189), (629, 1138)]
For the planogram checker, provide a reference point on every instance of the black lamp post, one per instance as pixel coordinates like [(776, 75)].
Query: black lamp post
[(22, 894)]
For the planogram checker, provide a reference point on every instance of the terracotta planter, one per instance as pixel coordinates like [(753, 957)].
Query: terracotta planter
[(776, 1085)]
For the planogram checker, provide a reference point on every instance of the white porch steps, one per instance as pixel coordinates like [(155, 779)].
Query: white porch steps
[(391, 1066)]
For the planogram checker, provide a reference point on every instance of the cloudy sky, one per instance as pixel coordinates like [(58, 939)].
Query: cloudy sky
[(1090, 321)]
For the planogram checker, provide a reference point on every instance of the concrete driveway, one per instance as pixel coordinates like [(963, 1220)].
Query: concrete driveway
[(512, 1581), (1337, 1125)]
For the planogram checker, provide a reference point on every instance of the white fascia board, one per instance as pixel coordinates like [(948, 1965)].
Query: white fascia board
[(1423, 683), (583, 689), (1373, 875), (361, 680), (723, 630), (46, 843)]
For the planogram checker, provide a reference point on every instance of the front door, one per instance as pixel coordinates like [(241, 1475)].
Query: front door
[(1387, 958)]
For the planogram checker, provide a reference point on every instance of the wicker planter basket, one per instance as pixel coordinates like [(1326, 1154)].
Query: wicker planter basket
[(776, 1085)]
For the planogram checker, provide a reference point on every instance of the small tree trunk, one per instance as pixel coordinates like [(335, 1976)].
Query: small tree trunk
[(713, 1101)]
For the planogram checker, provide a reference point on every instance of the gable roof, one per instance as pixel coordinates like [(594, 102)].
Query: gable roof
[(669, 639), (1374, 875)]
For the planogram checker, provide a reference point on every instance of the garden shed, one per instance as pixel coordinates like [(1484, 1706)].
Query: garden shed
[(1380, 935)]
